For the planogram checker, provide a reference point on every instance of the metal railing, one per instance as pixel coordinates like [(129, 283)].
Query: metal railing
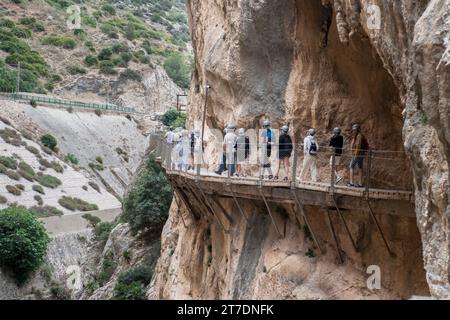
[(372, 169), (25, 97)]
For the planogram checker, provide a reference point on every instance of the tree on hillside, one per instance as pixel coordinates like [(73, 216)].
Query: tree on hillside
[(146, 207)]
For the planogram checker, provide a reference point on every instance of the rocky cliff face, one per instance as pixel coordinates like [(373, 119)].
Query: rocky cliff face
[(324, 63)]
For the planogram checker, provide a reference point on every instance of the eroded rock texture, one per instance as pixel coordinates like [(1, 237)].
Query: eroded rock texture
[(323, 64)]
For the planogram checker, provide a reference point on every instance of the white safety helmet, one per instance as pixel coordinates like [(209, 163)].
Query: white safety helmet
[(185, 133), (231, 126), (285, 129), (241, 131), (225, 131), (337, 130), (312, 132), (356, 126), (266, 123)]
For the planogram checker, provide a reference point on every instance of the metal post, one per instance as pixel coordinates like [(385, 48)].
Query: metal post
[(345, 224), (204, 113), (369, 163), (333, 234), (269, 211), (391, 253), (333, 168), (294, 168)]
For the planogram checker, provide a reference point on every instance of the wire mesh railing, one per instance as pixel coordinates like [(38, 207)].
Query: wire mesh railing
[(69, 103), (368, 169)]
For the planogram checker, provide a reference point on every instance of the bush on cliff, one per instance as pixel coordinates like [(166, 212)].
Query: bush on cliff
[(23, 242), (146, 206)]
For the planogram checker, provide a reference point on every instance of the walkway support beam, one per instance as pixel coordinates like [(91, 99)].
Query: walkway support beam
[(269, 211)]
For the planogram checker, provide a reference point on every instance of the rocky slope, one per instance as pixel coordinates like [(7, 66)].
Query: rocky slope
[(323, 64)]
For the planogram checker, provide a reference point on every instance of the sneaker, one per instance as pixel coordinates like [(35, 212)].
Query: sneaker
[(270, 177), (350, 184)]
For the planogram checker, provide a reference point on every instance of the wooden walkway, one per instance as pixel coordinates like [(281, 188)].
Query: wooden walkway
[(395, 202)]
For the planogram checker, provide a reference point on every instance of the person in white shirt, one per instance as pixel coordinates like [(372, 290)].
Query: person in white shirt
[(310, 149), (229, 143), (169, 136)]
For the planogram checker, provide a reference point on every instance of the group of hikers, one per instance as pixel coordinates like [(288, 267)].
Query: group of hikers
[(236, 152)]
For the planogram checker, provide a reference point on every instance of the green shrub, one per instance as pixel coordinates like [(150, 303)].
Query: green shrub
[(49, 141), (94, 186), (74, 69), (133, 291), (108, 268), (22, 33), (93, 220), (109, 9), (96, 166), (55, 78), (39, 200), (26, 175), (33, 150), (38, 189), (107, 67), (90, 60), (57, 167), (7, 23), (102, 231), (99, 159), (27, 168), (23, 248), (85, 188), (129, 74), (48, 181), (13, 175), (45, 211), (47, 150), (147, 204), (8, 162), (131, 284), (3, 200), (105, 54), (90, 46), (59, 292), (71, 158), (89, 21), (98, 112), (76, 204), (169, 117), (45, 163), (3, 169), (80, 34), (59, 41)]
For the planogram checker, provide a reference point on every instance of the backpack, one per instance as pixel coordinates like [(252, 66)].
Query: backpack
[(269, 135), (313, 148)]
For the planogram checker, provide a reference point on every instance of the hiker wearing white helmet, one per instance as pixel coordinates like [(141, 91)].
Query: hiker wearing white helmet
[(284, 151), (242, 152), (359, 147), (229, 143), (267, 139), (310, 149), (337, 143), (183, 149)]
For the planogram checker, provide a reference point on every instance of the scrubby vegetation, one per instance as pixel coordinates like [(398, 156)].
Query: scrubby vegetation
[(3, 200), (24, 247), (13, 190), (57, 166), (48, 181), (147, 205), (74, 204), (178, 69), (59, 41), (8, 162), (94, 186), (45, 211), (38, 189), (93, 220)]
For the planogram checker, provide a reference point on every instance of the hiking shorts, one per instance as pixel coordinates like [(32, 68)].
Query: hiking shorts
[(357, 162)]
